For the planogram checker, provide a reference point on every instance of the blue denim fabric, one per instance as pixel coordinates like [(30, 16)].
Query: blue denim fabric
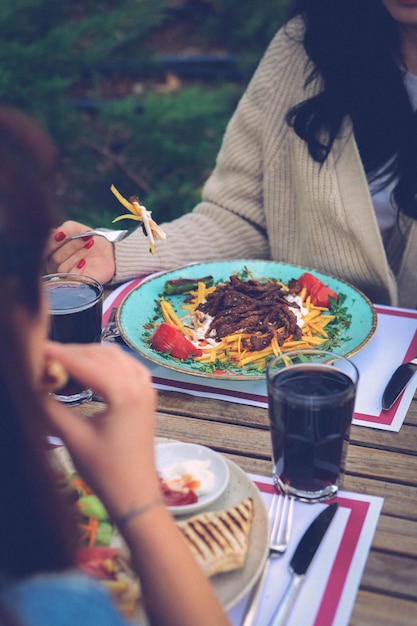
[(68, 599)]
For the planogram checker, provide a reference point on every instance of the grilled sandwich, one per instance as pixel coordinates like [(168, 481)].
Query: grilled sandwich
[(220, 540)]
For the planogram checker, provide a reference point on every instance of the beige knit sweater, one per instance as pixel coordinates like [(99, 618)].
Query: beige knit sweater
[(268, 199)]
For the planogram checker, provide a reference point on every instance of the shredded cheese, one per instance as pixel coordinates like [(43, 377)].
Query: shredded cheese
[(140, 214)]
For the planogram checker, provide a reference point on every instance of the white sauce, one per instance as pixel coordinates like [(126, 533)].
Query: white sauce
[(201, 323), (299, 313), (198, 470)]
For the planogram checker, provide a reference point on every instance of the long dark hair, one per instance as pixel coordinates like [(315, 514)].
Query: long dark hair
[(33, 526), (354, 46)]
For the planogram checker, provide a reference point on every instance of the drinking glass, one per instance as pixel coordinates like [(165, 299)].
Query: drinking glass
[(311, 396), (75, 307)]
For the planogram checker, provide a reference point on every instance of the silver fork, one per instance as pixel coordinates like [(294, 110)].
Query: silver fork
[(111, 235), (110, 332), (280, 515)]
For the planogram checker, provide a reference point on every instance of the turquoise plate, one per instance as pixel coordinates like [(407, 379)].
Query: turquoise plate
[(138, 308)]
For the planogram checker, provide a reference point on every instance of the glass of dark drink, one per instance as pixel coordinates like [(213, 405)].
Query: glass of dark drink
[(75, 307), (311, 396)]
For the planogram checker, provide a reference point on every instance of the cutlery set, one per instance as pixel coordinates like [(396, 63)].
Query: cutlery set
[(280, 517), (301, 560), (280, 520)]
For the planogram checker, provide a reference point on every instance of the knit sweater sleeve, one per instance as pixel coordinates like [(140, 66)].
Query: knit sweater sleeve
[(229, 222)]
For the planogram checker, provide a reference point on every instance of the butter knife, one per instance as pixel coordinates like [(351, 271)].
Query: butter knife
[(398, 382), (301, 560)]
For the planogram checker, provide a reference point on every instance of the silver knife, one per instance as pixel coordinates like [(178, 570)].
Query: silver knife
[(397, 383), (301, 560)]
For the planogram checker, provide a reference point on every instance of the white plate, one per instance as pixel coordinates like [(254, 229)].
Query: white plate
[(171, 453), (231, 587)]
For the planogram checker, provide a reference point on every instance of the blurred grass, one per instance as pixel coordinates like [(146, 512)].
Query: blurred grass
[(90, 72)]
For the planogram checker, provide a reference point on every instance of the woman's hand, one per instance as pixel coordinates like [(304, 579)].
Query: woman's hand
[(91, 255), (113, 450)]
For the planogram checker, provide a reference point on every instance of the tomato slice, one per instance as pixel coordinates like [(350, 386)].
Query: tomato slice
[(172, 497), (320, 296), (318, 291), (166, 338), (92, 561), (308, 281)]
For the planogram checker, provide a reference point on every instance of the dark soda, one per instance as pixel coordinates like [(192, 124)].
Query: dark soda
[(76, 310), (310, 411), (75, 317)]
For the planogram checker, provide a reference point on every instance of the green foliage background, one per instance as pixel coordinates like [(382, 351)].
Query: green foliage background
[(90, 73)]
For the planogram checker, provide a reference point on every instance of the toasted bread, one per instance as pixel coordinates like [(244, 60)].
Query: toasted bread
[(54, 376), (220, 540)]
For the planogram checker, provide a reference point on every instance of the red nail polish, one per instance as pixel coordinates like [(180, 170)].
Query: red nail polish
[(80, 264), (89, 244), (60, 236)]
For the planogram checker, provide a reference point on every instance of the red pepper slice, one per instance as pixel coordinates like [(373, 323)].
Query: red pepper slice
[(166, 338), (318, 291)]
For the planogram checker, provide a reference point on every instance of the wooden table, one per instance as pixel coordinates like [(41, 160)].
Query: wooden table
[(380, 463)]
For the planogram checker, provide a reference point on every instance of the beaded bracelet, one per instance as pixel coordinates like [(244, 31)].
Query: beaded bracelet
[(124, 519)]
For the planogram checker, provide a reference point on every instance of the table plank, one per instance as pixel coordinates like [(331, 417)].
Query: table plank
[(397, 536), (400, 468), (240, 414), (399, 500), (374, 609), (230, 437), (403, 441), (378, 575), (213, 409)]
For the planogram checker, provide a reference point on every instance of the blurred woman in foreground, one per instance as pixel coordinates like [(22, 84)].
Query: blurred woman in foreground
[(113, 451)]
